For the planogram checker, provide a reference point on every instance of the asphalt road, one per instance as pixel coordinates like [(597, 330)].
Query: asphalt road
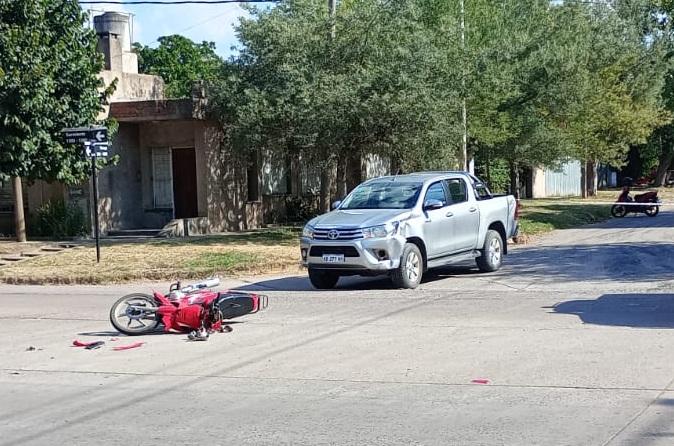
[(575, 337)]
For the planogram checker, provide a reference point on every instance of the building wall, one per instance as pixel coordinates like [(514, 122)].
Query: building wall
[(120, 186), (226, 183), (538, 183), (160, 135), (564, 181)]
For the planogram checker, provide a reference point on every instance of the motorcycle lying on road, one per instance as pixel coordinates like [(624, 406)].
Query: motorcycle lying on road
[(647, 203), (194, 308)]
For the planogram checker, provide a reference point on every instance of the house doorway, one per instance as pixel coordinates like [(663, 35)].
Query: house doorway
[(184, 169)]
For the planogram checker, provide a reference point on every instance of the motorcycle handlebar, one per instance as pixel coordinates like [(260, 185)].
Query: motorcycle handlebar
[(208, 283)]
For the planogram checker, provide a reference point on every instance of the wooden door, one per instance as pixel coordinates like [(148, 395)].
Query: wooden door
[(184, 183)]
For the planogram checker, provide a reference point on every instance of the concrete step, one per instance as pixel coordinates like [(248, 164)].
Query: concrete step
[(134, 233), (32, 254), (12, 258), (51, 249)]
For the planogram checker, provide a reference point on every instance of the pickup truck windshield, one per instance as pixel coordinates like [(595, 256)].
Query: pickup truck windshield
[(383, 195)]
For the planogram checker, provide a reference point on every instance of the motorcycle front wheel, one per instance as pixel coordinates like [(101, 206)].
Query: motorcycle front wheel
[(618, 211), (135, 314), (652, 211)]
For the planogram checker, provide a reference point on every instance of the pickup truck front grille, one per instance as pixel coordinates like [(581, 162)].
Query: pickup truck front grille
[(347, 251), (337, 234)]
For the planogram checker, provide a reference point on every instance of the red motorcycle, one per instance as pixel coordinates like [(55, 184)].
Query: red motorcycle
[(194, 308), (647, 203)]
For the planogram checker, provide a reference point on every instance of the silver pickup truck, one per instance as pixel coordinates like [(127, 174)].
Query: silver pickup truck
[(406, 224)]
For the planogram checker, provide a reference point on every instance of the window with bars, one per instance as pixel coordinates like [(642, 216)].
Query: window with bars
[(162, 178)]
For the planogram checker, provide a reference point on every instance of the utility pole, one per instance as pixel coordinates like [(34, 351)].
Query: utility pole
[(332, 8), (464, 113), (326, 164)]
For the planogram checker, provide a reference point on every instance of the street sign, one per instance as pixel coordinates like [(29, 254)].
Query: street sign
[(96, 149), (95, 143), (82, 135)]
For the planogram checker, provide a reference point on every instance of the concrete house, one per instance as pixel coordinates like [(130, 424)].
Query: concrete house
[(174, 170)]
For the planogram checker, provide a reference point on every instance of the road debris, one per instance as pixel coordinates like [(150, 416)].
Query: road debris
[(480, 381), (127, 347)]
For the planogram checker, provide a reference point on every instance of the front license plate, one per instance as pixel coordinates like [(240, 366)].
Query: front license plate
[(333, 258)]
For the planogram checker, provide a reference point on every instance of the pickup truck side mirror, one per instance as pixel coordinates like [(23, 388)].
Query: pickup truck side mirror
[(336, 204), (432, 204)]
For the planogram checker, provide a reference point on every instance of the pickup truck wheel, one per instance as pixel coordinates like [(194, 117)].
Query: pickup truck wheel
[(323, 280), (408, 274), (492, 252)]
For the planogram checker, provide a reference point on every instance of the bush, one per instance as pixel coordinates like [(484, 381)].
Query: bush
[(58, 220), (300, 209), (499, 174)]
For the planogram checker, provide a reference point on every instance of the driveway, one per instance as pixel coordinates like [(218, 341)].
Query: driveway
[(570, 344)]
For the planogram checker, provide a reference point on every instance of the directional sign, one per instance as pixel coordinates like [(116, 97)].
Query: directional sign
[(96, 149), (84, 134)]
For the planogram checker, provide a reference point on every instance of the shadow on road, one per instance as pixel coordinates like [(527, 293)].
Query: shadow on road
[(623, 310), (636, 221), (352, 283), (634, 262)]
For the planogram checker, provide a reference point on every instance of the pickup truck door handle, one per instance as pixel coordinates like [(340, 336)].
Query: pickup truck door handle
[(472, 209), (449, 214)]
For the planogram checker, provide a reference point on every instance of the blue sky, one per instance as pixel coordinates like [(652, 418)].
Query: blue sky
[(214, 23)]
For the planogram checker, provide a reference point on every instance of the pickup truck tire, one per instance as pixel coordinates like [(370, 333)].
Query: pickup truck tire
[(491, 258), (323, 280), (409, 272)]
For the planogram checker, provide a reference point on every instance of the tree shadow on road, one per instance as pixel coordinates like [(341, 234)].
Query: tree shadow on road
[(636, 221), (623, 310), (632, 262)]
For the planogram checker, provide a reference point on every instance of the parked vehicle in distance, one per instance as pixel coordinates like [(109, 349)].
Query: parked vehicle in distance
[(647, 203), (404, 225)]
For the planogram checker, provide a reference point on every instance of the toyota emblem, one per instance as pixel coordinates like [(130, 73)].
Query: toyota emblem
[(333, 234)]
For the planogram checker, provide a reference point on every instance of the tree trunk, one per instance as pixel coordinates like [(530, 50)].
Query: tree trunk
[(295, 175), (514, 180), (19, 219), (664, 162), (488, 168), (396, 168), (342, 163), (591, 180), (327, 185), (583, 179)]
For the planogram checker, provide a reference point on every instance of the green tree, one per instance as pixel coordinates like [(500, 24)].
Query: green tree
[(180, 62), (381, 85), (48, 80)]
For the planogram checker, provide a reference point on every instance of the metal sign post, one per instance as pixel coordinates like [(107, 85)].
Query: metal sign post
[(95, 143)]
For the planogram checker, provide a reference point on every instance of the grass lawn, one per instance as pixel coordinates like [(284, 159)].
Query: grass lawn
[(541, 216), (250, 253), (258, 252)]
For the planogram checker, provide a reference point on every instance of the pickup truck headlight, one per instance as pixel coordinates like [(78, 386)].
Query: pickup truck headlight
[(381, 231), (308, 232)]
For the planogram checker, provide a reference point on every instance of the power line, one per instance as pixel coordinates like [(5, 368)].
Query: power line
[(172, 2)]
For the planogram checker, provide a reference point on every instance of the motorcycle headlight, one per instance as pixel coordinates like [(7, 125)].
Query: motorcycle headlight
[(381, 231), (308, 232)]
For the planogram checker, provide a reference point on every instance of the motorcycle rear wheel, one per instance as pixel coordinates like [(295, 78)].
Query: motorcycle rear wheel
[(618, 211), (652, 211), (128, 317)]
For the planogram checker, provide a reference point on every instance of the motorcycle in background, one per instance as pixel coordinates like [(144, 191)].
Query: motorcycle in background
[(647, 203)]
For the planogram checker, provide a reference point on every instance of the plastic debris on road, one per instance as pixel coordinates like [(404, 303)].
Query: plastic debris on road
[(127, 347), (480, 381)]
